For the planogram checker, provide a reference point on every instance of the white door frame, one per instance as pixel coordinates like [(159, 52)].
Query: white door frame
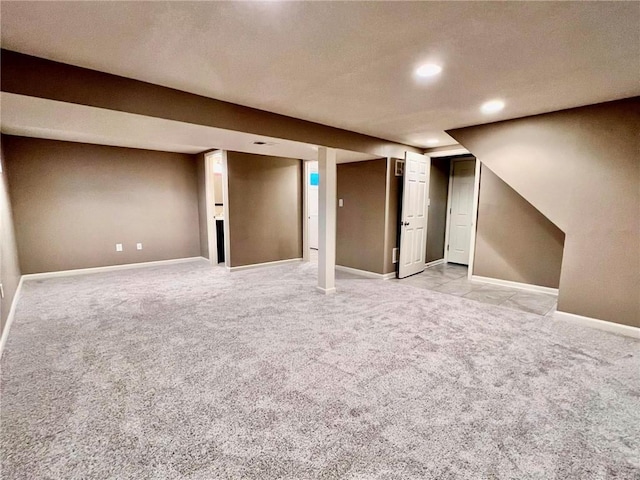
[(209, 187), (474, 218), (305, 211), (474, 212), (225, 210)]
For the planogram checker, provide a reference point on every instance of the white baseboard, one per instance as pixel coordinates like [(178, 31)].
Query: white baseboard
[(365, 273), (521, 286), (326, 291), (12, 313), (109, 268), (265, 264), (434, 263), (618, 328)]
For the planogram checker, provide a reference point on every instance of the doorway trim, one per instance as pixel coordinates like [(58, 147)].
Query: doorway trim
[(306, 171), (474, 219), (474, 212)]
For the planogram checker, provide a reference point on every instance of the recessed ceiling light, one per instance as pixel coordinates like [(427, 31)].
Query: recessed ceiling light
[(432, 141), (492, 106), (428, 70)]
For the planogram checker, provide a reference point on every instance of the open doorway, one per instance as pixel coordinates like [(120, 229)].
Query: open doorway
[(454, 189), (312, 201), (459, 220), (216, 207), (310, 209)]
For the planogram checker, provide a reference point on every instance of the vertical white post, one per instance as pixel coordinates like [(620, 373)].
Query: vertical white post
[(327, 191)]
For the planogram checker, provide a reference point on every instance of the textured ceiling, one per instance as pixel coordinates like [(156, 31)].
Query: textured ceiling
[(350, 64)]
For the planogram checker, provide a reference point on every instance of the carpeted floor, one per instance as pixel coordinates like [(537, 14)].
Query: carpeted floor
[(188, 372)]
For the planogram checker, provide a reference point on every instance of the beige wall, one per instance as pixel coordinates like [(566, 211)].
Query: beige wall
[(73, 202), (360, 228), (437, 223), (265, 208), (514, 241), (9, 265), (581, 169)]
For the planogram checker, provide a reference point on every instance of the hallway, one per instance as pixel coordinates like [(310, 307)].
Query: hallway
[(452, 279)]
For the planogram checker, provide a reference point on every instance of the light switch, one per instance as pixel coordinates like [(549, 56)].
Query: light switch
[(118, 247), (139, 246), (340, 202)]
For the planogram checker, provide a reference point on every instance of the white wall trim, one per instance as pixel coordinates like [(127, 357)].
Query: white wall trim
[(434, 263), (474, 219), (10, 317), (265, 264), (306, 254), (225, 209), (366, 273), (389, 244), (618, 328), (521, 286), (109, 268)]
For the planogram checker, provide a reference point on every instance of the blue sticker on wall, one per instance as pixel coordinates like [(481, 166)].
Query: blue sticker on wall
[(315, 179)]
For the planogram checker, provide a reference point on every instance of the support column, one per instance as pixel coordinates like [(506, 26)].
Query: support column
[(327, 193)]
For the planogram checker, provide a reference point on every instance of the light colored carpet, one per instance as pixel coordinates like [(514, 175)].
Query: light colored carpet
[(188, 372)]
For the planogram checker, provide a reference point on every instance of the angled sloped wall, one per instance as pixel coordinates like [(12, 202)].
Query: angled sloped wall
[(514, 241), (581, 169)]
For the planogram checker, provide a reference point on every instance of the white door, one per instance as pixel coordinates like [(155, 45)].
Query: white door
[(413, 225), (312, 202), (461, 211)]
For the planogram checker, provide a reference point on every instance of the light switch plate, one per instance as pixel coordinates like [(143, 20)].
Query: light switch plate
[(139, 246), (118, 247), (340, 202)]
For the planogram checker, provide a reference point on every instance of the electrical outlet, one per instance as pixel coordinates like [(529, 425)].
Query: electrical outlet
[(118, 247), (395, 255), (139, 246)]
